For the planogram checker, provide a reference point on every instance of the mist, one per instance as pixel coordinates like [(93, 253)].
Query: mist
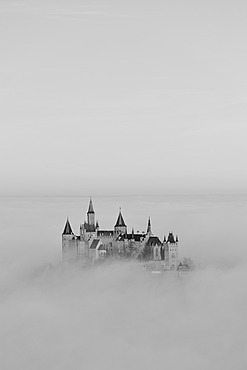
[(120, 316), (126, 98)]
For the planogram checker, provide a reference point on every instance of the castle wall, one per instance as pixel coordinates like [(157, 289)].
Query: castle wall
[(92, 255), (84, 235), (173, 256), (82, 249), (156, 253), (96, 255), (69, 249)]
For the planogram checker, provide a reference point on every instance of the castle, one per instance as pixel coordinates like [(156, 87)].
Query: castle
[(94, 245)]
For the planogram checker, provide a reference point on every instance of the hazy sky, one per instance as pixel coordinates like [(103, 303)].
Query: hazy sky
[(122, 97)]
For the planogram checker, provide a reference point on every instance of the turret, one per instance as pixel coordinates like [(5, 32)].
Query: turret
[(120, 226), (171, 252), (69, 243)]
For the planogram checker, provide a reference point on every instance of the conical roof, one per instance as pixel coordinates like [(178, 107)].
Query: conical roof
[(149, 226), (90, 207), (120, 220), (170, 238), (67, 229)]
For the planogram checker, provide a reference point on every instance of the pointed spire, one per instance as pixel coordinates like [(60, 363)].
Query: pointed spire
[(90, 207), (120, 220), (149, 230), (176, 239), (133, 233), (164, 241), (97, 224), (67, 229)]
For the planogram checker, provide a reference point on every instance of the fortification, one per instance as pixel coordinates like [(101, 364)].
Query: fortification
[(94, 245)]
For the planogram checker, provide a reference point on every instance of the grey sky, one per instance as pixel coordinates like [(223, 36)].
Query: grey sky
[(118, 97)]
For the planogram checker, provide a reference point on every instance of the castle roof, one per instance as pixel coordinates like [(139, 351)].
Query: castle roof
[(153, 240), (171, 239), (90, 207), (120, 221), (94, 244), (67, 229)]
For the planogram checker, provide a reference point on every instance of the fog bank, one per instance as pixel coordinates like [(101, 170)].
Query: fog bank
[(119, 316)]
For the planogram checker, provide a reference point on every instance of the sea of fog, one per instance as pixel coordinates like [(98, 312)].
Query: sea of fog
[(119, 316)]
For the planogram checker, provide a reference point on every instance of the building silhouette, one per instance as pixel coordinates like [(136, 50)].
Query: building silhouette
[(93, 244)]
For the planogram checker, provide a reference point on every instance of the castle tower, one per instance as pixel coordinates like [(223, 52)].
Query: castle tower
[(120, 226), (90, 214), (149, 229), (69, 243), (171, 252)]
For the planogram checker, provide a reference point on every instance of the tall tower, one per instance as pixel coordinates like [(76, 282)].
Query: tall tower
[(120, 226), (171, 251), (90, 214)]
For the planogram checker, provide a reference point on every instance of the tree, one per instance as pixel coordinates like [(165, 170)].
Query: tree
[(188, 263), (147, 252), (131, 250)]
